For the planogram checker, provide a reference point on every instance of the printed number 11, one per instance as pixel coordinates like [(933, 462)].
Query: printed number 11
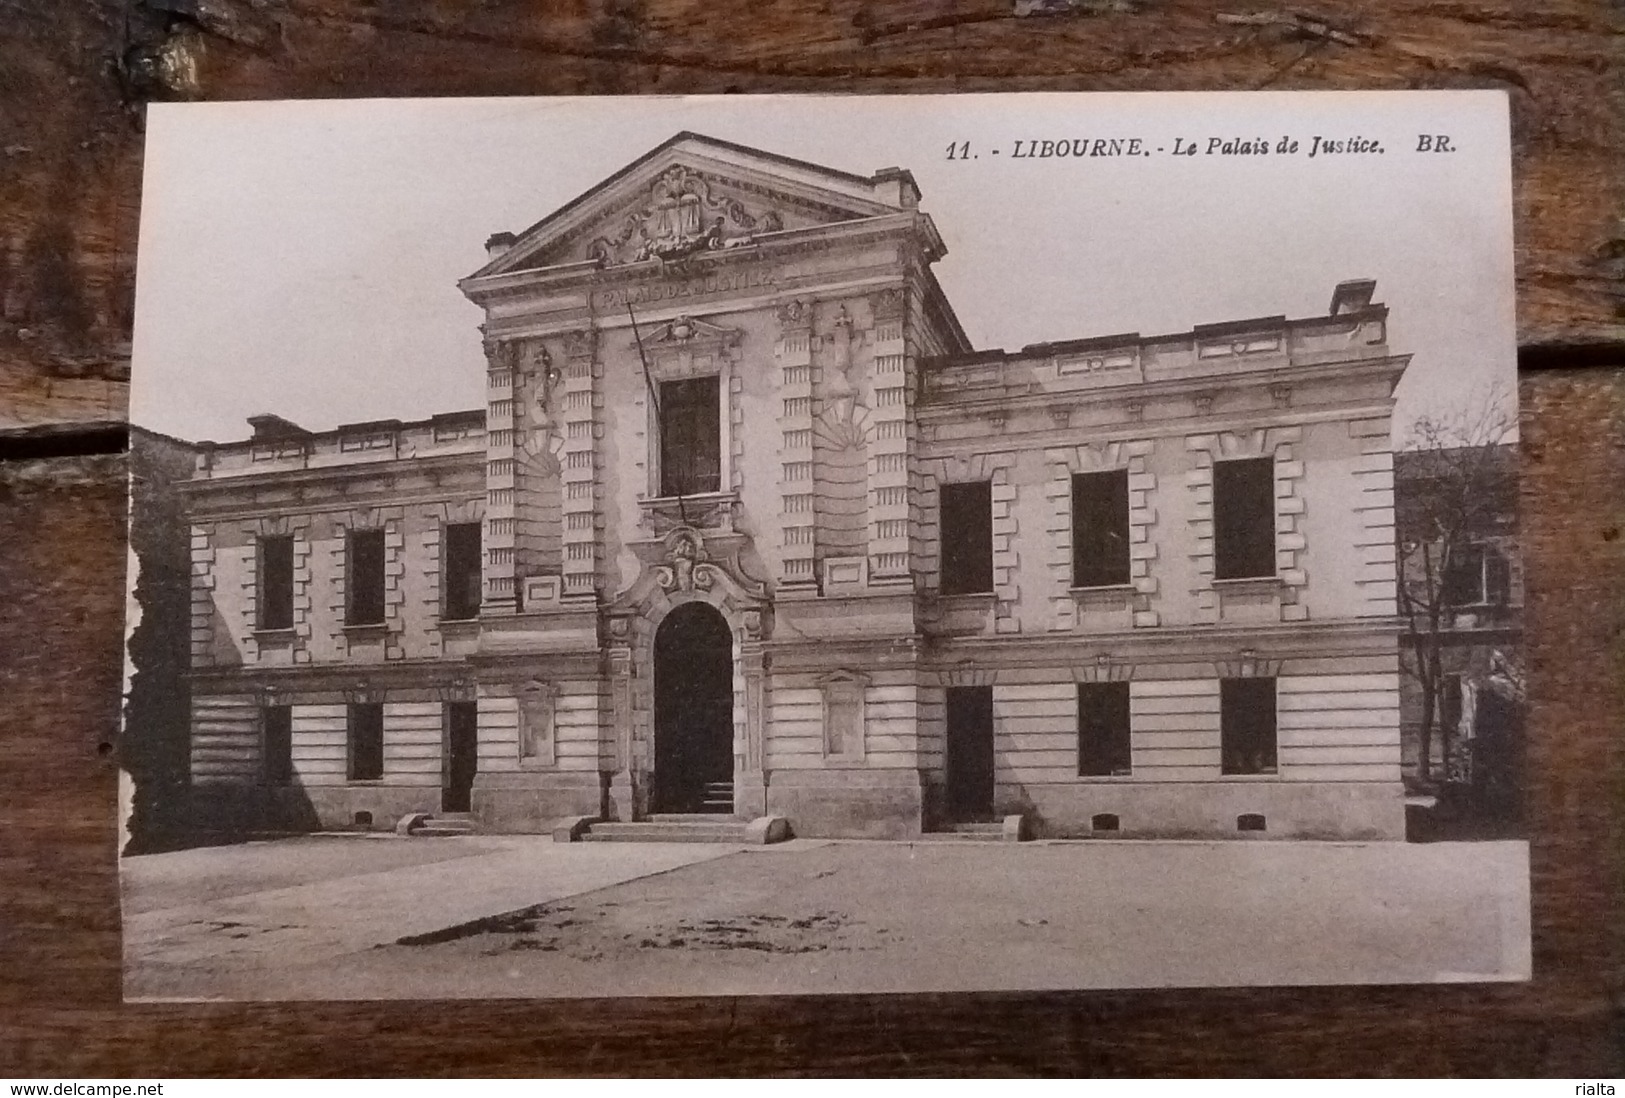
[(959, 150)]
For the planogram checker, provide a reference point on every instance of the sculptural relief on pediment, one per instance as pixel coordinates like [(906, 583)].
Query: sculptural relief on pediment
[(684, 213)]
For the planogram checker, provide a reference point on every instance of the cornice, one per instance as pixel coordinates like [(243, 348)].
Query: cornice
[(814, 287), (768, 247), (994, 397), (1014, 438), (392, 467)]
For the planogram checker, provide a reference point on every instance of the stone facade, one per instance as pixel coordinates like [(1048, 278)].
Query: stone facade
[(857, 698)]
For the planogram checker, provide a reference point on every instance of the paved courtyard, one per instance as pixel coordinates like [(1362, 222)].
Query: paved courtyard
[(386, 917)]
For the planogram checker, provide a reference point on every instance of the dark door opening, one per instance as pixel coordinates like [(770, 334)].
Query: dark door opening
[(462, 756), (694, 712), (969, 761)]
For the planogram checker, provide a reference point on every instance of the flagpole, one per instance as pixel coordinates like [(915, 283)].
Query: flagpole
[(654, 399)]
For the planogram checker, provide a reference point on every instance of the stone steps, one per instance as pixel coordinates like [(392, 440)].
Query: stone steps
[(652, 831), (967, 833), (674, 828), (1011, 829), (445, 825), (719, 797)]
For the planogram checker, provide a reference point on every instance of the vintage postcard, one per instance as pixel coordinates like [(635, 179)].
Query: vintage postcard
[(608, 547)]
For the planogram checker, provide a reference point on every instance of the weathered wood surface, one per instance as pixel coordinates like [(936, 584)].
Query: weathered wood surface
[(61, 584), (74, 76)]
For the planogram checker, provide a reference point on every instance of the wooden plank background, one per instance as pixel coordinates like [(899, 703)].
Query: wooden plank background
[(73, 79)]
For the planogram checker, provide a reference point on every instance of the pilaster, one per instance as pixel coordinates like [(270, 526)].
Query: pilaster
[(622, 791), (750, 777), (395, 584), (580, 472), (890, 452), (793, 358), (501, 590), (1378, 572)]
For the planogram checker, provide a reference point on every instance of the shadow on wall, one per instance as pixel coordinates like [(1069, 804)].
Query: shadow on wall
[(218, 815)]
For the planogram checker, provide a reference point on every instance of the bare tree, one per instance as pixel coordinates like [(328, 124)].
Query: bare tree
[(1460, 488)]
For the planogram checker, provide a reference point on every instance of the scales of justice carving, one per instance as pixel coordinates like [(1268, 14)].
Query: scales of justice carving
[(683, 216)]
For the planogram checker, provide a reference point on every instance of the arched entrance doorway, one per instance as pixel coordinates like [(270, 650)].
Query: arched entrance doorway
[(693, 712)]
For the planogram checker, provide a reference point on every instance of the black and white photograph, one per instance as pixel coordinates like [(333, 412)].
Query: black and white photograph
[(808, 544)]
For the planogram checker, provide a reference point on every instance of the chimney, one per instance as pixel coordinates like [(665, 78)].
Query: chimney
[(497, 244), (271, 428), (896, 187), (1352, 296)]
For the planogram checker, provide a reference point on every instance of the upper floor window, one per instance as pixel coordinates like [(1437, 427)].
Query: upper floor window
[(275, 609), (1103, 729), (690, 437), (1247, 731), (461, 577), (1476, 575), (1100, 534), (1244, 518), (364, 577), (966, 513)]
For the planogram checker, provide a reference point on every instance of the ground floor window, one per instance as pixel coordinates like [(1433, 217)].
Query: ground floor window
[(1103, 729), (1247, 725), (968, 755), (461, 719), (277, 722), (366, 736)]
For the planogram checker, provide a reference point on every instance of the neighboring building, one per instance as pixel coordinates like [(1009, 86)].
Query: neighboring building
[(156, 745), (1474, 733), (791, 546)]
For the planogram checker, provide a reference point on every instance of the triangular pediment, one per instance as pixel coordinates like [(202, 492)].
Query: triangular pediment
[(696, 193)]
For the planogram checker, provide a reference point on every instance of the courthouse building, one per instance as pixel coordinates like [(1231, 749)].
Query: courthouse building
[(746, 527)]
